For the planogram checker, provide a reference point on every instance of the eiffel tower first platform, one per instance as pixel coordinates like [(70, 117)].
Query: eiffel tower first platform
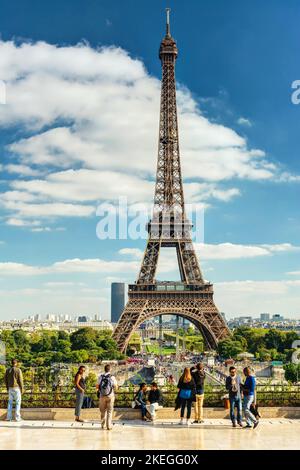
[(192, 298)]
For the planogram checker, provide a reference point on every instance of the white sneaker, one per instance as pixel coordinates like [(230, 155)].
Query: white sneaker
[(188, 422), (18, 420), (181, 422)]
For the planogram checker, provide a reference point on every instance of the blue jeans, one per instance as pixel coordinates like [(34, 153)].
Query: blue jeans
[(250, 418), (143, 409), (79, 402), (235, 402), (14, 395)]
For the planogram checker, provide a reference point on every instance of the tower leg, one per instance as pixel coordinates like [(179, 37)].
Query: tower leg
[(128, 322)]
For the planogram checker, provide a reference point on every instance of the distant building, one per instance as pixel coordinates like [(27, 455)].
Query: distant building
[(277, 317), (264, 317), (83, 319), (117, 300), (51, 317)]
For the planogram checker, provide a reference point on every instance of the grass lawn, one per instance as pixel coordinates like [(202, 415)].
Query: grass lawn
[(154, 349)]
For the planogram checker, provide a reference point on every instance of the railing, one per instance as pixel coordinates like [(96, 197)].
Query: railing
[(267, 395)]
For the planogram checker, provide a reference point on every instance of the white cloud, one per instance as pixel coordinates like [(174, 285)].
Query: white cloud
[(253, 297), (100, 109), (21, 170), (48, 229), (75, 265), (223, 251), (19, 269), (22, 223), (132, 252), (244, 122), (47, 210)]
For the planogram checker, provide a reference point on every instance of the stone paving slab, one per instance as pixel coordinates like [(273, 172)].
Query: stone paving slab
[(213, 434)]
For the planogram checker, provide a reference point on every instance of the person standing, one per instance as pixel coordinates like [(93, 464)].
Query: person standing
[(154, 401), (15, 387), (249, 398), (107, 385), (186, 394), (233, 385), (80, 387), (198, 375)]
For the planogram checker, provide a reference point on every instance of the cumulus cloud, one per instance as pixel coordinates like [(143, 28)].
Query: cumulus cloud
[(90, 121), (21, 170), (224, 251), (251, 297), (75, 265), (244, 122)]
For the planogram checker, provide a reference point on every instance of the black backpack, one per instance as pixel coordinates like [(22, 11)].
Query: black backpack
[(105, 385)]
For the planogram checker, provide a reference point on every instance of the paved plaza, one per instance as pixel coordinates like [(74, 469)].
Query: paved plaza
[(214, 434)]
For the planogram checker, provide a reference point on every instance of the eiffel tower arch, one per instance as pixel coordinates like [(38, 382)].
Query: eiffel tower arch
[(192, 297)]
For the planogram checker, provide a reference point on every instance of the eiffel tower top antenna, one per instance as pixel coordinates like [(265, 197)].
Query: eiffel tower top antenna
[(168, 22)]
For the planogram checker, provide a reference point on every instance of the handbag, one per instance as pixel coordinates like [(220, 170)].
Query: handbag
[(185, 394)]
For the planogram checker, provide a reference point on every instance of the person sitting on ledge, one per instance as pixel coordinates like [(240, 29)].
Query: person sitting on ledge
[(141, 401), (155, 400)]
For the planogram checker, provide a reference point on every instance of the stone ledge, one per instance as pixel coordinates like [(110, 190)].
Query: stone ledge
[(65, 414)]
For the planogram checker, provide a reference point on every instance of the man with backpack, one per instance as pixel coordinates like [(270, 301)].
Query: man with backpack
[(106, 386)]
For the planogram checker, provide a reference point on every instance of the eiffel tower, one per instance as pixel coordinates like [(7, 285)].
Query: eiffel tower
[(192, 298)]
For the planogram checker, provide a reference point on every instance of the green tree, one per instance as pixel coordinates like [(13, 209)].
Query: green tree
[(21, 340), (263, 354), (63, 335), (79, 356), (84, 338), (290, 337), (274, 339), (2, 374), (292, 372), (229, 348)]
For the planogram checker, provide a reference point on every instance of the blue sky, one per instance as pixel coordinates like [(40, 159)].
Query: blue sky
[(80, 124)]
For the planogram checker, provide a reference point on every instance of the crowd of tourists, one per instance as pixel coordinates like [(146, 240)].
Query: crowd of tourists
[(241, 395)]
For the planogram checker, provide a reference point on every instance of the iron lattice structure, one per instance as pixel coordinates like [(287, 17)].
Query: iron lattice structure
[(192, 298)]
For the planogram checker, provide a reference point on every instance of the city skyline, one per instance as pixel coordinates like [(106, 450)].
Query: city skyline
[(61, 157)]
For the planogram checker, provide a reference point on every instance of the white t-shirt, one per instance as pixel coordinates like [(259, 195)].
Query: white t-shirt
[(113, 381)]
